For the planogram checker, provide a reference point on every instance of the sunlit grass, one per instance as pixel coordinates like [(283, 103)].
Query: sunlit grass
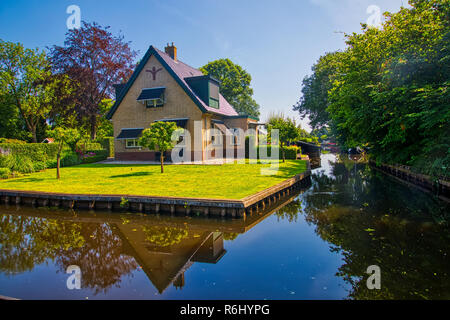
[(228, 181)]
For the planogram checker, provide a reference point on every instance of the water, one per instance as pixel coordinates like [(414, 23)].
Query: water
[(313, 245)]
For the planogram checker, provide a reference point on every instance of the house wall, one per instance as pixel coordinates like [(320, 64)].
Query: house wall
[(133, 114)]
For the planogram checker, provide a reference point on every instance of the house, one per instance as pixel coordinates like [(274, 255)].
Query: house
[(163, 88)]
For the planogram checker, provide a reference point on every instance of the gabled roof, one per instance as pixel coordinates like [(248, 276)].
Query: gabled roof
[(179, 71)]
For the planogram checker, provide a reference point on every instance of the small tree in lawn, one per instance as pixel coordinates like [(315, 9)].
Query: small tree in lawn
[(288, 131), (62, 136), (159, 135)]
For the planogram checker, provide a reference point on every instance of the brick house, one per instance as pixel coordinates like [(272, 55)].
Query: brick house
[(162, 88)]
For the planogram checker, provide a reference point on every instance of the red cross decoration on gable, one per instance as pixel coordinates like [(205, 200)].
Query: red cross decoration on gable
[(154, 71)]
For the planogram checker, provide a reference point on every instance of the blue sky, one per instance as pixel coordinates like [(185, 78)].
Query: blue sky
[(277, 42)]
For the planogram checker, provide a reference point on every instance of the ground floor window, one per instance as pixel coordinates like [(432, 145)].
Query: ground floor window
[(132, 143)]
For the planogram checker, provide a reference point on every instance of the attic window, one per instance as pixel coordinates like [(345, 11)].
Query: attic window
[(152, 97), (213, 95)]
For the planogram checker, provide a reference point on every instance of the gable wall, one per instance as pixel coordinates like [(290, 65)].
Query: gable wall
[(133, 114)]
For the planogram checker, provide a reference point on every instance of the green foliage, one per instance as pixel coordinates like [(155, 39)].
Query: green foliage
[(164, 236), (17, 163), (95, 156), (107, 143), (159, 136), (38, 152), (5, 140), (26, 81), (5, 173), (389, 90), (291, 152), (235, 85)]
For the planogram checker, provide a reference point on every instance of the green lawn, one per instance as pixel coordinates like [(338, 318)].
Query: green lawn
[(229, 181)]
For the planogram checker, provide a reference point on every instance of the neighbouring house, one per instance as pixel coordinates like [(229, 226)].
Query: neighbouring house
[(48, 140), (163, 88)]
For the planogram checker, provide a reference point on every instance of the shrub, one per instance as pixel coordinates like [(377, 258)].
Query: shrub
[(5, 173), (95, 156), (6, 140), (291, 152), (107, 143), (35, 151), (18, 163), (69, 159)]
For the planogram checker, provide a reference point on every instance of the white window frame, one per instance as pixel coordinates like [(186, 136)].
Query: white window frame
[(135, 144)]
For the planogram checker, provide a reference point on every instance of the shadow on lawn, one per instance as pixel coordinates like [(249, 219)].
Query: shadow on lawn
[(134, 174)]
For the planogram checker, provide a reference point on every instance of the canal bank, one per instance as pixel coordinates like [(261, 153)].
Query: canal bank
[(234, 208), (437, 186)]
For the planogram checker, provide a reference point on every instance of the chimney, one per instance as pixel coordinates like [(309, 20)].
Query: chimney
[(171, 50)]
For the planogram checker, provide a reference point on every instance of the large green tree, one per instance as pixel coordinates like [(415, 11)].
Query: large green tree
[(389, 89), (26, 81), (235, 85)]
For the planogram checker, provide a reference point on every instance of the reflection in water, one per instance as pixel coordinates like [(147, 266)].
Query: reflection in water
[(364, 217), (371, 219), (108, 247)]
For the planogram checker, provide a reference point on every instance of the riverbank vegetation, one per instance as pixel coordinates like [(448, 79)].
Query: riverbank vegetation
[(388, 91)]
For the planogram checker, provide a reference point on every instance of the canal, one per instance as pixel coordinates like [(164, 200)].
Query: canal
[(316, 244)]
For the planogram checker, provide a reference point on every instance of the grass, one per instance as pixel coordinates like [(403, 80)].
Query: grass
[(228, 181)]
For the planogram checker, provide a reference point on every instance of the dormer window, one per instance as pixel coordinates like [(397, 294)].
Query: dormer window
[(206, 88), (213, 94), (152, 97)]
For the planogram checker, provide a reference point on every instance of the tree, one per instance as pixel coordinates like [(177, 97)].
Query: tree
[(12, 125), (27, 82), (389, 89), (288, 131), (235, 85), (159, 135), (62, 137), (95, 60), (314, 100)]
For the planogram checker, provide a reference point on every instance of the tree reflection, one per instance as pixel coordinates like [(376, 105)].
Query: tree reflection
[(100, 259), (290, 211), (29, 241), (164, 236), (371, 220)]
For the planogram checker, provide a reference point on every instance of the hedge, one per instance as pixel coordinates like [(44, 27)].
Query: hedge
[(4, 173), (95, 156), (37, 152), (290, 152), (107, 143)]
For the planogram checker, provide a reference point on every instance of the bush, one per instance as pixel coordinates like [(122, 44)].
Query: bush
[(5, 173), (37, 152), (107, 143), (6, 140), (69, 159), (291, 152), (95, 156), (18, 163)]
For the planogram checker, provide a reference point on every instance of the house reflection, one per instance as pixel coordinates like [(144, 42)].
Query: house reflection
[(108, 247), (166, 263)]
